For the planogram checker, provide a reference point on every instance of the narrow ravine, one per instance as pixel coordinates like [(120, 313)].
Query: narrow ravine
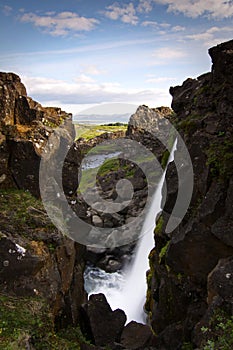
[(126, 289)]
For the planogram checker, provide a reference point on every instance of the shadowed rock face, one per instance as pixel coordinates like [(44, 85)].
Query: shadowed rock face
[(105, 328), (35, 258), (102, 325), (189, 266), (24, 130)]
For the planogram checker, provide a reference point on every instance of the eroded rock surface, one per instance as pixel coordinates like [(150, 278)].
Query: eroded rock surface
[(191, 270)]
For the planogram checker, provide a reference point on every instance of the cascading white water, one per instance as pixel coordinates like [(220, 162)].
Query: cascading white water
[(129, 293), (134, 291)]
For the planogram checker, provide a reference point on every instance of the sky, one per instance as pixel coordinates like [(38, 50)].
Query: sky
[(75, 54)]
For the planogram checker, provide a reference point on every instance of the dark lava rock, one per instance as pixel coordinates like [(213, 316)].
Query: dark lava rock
[(36, 260), (137, 336), (191, 267), (220, 281), (100, 323)]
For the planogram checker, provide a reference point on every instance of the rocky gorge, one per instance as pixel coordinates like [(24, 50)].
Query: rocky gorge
[(43, 304)]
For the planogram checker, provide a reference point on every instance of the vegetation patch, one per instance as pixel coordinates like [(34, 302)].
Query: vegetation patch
[(88, 179), (103, 148), (159, 226), (20, 210), (163, 251), (219, 334), (220, 158), (26, 321), (89, 132), (109, 166), (190, 125), (165, 159)]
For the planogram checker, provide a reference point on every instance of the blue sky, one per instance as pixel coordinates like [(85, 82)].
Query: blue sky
[(78, 53)]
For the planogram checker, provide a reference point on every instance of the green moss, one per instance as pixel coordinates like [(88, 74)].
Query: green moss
[(149, 277), (14, 208), (179, 276), (88, 179), (187, 346), (165, 159), (149, 299), (29, 319), (203, 90), (219, 333), (23, 316), (190, 125), (50, 124), (159, 226), (163, 251), (220, 158), (109, 166)]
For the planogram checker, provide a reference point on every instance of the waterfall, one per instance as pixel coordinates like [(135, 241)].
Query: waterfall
[(134, 291), (129, 293)]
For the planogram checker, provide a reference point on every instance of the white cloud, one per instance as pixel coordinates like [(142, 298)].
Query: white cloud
[(196, 8), (83, 78), (60, 24), (164, 54), (178, 29), (162, 27), (151, 78), (152, 24), (76, 93), (212, 36), (92, 69), (125, 13), (145, 6), (7, 10)]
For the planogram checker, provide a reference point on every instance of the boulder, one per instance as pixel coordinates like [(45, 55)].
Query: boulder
[(102, 325), (137, 336)]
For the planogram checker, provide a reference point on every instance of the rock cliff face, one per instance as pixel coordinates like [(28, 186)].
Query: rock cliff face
[(147, 127), (36, 260), (190, 280), (24, 129)]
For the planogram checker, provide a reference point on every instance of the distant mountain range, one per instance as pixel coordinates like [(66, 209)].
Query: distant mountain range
[(101, 118)]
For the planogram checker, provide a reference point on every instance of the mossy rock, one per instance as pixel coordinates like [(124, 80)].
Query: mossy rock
[(20, 210), (159, 226), (220, 158), (218, 334), (25, 321)]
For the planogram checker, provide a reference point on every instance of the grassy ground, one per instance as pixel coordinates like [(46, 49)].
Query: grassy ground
[(26, 321), (90, 131)]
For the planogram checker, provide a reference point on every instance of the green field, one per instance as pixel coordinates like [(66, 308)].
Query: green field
[(88, 132)]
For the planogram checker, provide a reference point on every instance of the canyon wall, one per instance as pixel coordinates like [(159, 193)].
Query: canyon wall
[(191, 275)]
